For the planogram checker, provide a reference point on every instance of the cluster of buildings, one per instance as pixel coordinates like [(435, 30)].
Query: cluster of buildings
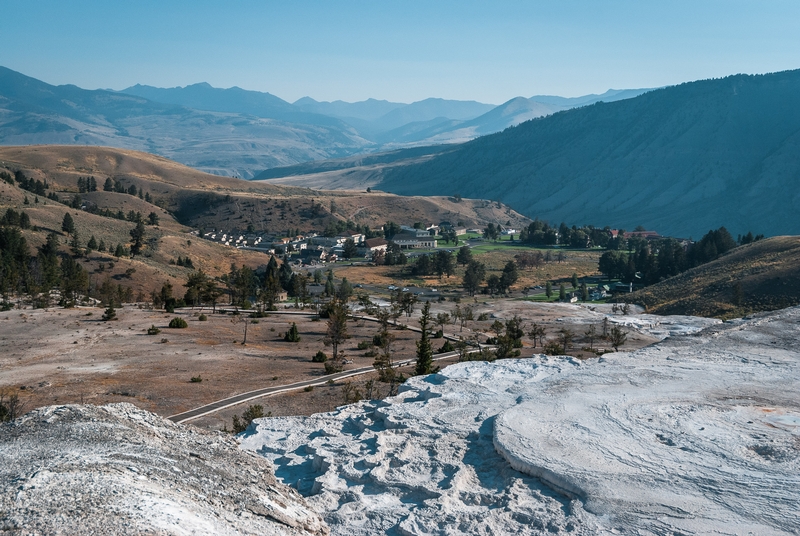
[(259, 242), (314, 248)]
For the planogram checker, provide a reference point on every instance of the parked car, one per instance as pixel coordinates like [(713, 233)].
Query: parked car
[(405, 289), (392, 287)]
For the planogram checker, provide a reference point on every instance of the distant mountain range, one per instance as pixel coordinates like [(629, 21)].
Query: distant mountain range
[(238, 132), (679, 160)]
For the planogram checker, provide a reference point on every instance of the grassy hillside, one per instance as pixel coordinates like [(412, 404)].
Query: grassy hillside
[(198, 199), (680, 160), (762, 276), (186, 199)]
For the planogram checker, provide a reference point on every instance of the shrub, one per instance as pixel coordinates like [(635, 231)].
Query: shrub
[(110, 314), (178, 322), (196, 379), (253, 412), (308, 389), (319, 357), (483, 316), (447, 347), (333, 366), (439, 334), (363, 345), (153, 330), (202, 318)]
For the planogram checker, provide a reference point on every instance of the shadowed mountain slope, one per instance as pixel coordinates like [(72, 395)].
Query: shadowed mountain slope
[(680, 160)]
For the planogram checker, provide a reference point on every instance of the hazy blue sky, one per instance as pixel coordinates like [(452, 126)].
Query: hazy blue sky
[(402, 50)]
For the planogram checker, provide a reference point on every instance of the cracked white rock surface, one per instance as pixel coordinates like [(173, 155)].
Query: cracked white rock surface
[(116, 469), (697, 434)]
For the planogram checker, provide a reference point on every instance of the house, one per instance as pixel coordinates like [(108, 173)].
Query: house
[(372, 245), (419, 233), (313, 256), (298, 245), (647, 235), (355, 236), (408, 240), (328, 241)]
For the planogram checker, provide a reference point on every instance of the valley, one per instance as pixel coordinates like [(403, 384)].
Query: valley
[(400, 268)]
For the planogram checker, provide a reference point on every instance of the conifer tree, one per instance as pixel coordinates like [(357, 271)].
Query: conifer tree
[(424, 349), (67, 224)]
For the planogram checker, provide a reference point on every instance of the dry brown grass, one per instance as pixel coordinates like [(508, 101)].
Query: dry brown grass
[(768, 272)]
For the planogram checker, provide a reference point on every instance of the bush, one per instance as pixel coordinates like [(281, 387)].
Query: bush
[(178, 322), (319, 357), (439, 334), (110, 314), (196, 379), (253, 412), (483, 316), (447, 347), (308, 388), (202, 318), (363, 345), (333, 366), (153, 330)]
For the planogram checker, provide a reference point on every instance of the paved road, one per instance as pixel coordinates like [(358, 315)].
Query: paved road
[(268, 391)]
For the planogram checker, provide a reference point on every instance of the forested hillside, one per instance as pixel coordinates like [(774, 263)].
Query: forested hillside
[(680, 160)]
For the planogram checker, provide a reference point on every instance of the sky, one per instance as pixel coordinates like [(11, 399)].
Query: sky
[(401, 51)]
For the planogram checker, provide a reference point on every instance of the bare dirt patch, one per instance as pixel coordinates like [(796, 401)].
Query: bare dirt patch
[(54, 356)]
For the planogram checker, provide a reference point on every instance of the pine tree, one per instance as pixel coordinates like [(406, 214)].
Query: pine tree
[(293, 335), (137, 239), (424, 349), (67, 224)]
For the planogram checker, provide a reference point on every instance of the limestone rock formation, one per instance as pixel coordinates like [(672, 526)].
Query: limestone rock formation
[(117, 469), (697, 434)]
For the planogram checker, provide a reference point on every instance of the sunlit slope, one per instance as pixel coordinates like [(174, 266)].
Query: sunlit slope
[(762, 276)]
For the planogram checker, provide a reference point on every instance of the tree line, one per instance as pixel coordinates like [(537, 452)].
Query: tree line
[(651, 261)]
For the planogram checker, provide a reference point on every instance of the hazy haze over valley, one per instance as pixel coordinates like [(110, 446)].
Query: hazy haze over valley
[(240, 133)]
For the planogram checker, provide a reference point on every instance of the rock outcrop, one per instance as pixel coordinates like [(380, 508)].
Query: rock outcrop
[(117, 469)]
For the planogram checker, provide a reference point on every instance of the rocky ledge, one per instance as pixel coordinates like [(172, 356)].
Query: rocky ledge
[(698, 434), (116, 469)]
